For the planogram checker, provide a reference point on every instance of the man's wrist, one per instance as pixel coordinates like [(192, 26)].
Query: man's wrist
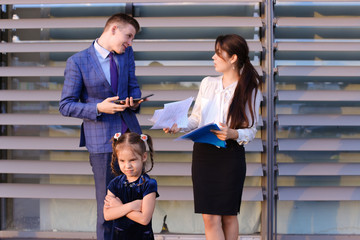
[(98, 113)]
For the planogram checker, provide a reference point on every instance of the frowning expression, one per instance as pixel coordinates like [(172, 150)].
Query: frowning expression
[(130, 162)]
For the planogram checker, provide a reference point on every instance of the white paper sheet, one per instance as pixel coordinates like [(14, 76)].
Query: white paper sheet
[(175, 112)]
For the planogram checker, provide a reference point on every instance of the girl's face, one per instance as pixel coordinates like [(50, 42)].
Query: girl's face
[(130, 162), (222, 61)]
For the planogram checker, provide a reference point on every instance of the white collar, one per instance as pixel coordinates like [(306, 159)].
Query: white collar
[(102, 51)]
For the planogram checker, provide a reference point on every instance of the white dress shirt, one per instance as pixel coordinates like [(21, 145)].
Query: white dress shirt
[(104, 59), (212, 106)]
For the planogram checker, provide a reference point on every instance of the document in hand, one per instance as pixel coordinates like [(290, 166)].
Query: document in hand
[(175, 112), (204, 135)]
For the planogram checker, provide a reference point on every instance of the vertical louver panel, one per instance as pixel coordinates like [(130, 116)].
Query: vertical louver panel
[(317, 108)]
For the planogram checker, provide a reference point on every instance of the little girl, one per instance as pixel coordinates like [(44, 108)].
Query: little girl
[(130, 199)]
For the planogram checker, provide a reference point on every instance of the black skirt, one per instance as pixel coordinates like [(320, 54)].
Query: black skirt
[(218, 176)]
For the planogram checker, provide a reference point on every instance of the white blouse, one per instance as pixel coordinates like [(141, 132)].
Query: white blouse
[(212, 106)]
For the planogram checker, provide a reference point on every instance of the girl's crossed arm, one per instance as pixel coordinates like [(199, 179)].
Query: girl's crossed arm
[(114, 208), (144, 215)]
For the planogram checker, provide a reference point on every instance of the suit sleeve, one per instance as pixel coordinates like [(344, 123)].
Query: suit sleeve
[(133, 86), (70, 102)]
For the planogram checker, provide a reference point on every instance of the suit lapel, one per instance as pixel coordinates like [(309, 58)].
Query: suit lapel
[(97, 67), (122, 85)]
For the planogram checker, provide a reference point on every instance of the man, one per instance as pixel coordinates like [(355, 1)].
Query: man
[(90, 88)]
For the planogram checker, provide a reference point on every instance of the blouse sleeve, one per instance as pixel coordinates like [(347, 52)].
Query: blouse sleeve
[(195, 116), (245, 135)]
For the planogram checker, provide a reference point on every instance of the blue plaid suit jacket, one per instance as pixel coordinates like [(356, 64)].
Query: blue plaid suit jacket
[(85, 85)]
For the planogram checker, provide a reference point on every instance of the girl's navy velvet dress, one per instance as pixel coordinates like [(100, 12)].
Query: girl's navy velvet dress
[(124, 228)]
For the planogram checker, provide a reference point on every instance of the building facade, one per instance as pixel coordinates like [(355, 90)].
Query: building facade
[(303, 168)]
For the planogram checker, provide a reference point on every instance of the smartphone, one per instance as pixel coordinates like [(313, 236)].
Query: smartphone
[(135, 99)]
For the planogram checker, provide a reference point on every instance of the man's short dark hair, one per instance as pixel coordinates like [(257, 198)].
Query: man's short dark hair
[(123, 18)]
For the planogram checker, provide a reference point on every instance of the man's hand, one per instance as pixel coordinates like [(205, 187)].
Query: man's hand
[(134, 105), (108, 106)]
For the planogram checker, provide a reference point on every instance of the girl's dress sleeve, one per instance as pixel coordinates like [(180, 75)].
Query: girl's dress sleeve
[(113, 185), (245, 135), (150, 186)]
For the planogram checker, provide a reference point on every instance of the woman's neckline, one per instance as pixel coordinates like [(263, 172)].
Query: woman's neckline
[(228, 86)]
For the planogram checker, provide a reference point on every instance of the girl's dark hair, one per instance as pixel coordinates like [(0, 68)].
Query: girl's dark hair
[(138, 146), (249, 80)]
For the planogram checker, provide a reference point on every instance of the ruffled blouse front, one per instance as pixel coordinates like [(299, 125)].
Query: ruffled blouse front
[(212, 106)]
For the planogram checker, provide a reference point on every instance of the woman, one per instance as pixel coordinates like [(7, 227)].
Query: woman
[(231, 100)]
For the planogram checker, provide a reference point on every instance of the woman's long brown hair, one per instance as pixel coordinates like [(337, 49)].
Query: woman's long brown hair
[(249, 80)]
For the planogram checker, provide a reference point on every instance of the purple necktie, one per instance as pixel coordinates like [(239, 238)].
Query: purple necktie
[(124, 127), (113, 73), (114, 85)]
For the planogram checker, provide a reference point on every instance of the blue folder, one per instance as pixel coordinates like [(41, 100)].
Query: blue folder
[(204, 135)]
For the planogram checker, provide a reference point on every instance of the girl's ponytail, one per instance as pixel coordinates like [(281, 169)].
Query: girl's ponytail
[(114, 163), (149, 147)]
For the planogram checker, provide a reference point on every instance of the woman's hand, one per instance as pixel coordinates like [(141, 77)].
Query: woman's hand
[(173, 129), (225, 132)]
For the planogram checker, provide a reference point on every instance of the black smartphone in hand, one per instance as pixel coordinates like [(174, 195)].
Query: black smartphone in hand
[(135, 100)]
